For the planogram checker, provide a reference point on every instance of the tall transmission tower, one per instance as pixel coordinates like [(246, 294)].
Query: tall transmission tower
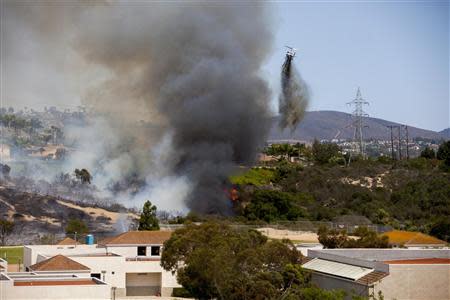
[(358, 115)]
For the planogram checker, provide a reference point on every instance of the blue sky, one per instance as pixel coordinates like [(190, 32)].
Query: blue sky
[(396, 51)]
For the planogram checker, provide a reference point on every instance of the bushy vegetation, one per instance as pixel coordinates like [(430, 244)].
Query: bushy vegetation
[(216, 261), (410, 194), (76, 226), (148, 219), (6, 228), (272, 205), (254, 176), (361, 238)]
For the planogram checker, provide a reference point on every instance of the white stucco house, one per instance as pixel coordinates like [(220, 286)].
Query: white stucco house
[(129, 263)]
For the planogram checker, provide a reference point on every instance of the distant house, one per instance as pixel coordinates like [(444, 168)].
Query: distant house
[(396, 273), (262, 157), (412, 239), (128, 262), (5, 152), (47, 152)]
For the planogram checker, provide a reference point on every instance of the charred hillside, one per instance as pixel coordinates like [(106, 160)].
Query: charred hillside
[(35, 215)]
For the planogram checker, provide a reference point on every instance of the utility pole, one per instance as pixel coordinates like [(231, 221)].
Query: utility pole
[(407, 142), (357, 115), (392, 141), (399, 143)]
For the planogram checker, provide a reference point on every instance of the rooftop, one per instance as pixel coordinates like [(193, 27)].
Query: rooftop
[(58, 263), (46, 282), (68, 241), (138, 238), (398, 237), (420, 261), (337, 269)]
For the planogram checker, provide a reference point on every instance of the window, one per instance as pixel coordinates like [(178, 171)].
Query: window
[(95, 275), (141, 251), (155, 250)]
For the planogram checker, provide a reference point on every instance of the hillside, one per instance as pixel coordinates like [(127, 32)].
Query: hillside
[(445, 133), (412, 195), (333, 124), (35, 215)]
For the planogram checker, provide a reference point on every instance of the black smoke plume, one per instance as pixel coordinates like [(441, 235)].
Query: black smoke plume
[(294, 95), (191, 70)]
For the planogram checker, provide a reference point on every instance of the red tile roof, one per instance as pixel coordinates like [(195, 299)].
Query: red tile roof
[(68, 241), (58, 263), (398, 237), (138, 238), (87, 281), (419, 261)]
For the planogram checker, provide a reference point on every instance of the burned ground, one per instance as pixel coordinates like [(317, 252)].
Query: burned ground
[(36, 215)]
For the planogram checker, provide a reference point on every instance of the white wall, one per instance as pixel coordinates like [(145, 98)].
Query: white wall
[(66, 292), (110, 264), (130, 251), (418, 282), (120, 267)]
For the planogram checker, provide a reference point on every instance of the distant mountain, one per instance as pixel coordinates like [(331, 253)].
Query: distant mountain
[(334, 124), (445, 133)]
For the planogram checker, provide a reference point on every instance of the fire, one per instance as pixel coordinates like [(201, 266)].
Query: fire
[(232, 194)]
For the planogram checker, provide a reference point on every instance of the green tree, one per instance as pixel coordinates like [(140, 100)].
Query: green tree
[(443, 153), (332, 238), (213, 260), (428, 153), (365, 238), (148, 219), (6, 228), (323, 153), (441, 229), (83, 176), (76, 226), (269, 205)]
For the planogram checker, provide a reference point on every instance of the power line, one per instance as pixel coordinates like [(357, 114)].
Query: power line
[(407, 141), (391, 127), (358, 115), (399, 145)]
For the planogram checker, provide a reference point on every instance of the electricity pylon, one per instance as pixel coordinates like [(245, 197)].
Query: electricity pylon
[(358, 115)]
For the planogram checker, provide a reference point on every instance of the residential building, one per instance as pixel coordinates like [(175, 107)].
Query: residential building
[(419, 274), (129, 262), (5, 153)]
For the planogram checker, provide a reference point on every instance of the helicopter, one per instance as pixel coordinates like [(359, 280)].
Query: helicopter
[(291, 51), (290, 54)]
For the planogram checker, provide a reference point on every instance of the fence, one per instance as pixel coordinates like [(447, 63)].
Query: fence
[(309, 226)]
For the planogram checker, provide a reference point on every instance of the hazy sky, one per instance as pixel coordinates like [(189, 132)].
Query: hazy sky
[(396, 51)]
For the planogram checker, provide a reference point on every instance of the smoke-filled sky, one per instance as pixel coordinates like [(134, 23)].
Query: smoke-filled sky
[(396, 51), (191, 71)]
